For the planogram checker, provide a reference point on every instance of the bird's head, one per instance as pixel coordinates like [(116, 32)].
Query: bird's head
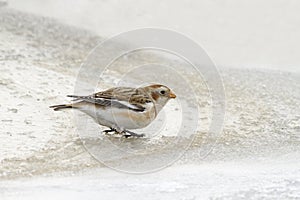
[(160, 94)]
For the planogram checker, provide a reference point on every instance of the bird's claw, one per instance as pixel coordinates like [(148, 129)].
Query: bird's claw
[(109, 130), (132, 134), (126, 133)]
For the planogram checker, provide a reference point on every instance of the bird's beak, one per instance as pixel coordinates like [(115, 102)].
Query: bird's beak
[(172, 95)]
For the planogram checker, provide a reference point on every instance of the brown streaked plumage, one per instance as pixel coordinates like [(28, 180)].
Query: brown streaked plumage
[(123, 108)]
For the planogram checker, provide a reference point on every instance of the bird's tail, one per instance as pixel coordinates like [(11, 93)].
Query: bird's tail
[(61, 106)]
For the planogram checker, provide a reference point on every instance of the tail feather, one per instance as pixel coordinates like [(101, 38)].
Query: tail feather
[(62, 106), (75, 97)]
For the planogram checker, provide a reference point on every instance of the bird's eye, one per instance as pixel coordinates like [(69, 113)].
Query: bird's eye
[(162, 92)]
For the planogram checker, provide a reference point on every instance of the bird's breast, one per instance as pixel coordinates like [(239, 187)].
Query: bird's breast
[(129, 119), (118, 117)]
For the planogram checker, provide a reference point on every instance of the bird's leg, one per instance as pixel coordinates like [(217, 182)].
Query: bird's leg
[(130, 134), (109, 130)]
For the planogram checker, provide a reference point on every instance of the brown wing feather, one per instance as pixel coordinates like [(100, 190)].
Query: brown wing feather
[(135, 96), (113, 97)]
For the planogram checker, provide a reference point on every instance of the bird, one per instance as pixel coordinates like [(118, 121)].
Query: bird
[(122, 109)]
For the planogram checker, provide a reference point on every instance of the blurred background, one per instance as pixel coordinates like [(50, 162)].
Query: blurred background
[(234, 33)]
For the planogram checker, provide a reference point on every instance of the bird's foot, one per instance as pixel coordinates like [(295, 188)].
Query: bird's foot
[(109, 130), (128, 134)]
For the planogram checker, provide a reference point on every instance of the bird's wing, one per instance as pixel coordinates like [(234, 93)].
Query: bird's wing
[(119, 97)]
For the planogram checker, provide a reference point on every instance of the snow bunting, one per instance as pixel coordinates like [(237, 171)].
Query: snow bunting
[(123, 108)]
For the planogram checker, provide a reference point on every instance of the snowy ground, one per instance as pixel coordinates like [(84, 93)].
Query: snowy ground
[(41, 154), (229, 180)]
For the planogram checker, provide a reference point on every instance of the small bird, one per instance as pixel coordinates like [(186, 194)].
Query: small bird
[(123, 108)]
